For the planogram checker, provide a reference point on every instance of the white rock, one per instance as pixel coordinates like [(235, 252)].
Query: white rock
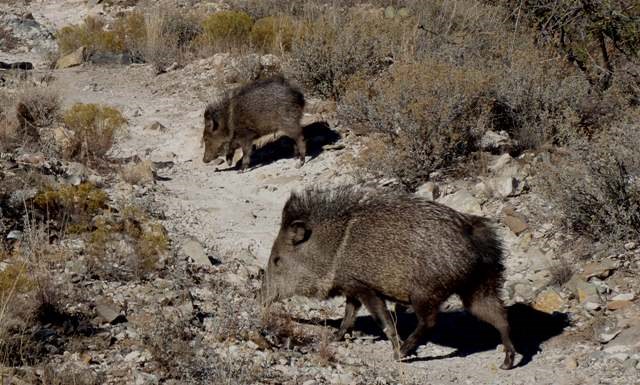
[(462, 201), (194, 250), (504, 186), (623, 297), (429, 191), (499, 163)]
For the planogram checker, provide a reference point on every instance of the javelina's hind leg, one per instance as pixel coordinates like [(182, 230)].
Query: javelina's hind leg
[(301, 149), (379, 312), (489, 308), (426, 314), (350, 312)]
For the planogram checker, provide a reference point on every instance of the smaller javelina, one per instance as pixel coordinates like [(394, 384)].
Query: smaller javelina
[(263, 107), (372, 246)]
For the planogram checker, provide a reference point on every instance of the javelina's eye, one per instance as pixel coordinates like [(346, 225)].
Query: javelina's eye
[(276, 260)]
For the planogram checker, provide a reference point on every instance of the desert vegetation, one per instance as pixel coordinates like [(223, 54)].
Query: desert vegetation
[(123, 259)]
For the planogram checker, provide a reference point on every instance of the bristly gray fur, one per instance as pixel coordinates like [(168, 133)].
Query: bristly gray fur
[(258, 109), (372, 246)]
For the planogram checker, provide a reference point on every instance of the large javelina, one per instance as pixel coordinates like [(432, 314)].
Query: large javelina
[(372, 247), (260, 108)]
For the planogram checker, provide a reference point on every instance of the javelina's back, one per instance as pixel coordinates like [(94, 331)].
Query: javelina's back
[(260, 108), (375, 246)]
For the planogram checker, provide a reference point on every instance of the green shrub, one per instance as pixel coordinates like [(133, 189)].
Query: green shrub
[(92, 35), (225, 30), (274, 33), (72, 207), (94, 128)]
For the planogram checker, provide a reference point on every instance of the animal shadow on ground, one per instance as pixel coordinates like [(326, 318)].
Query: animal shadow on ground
[(467, 334), (316, 135)]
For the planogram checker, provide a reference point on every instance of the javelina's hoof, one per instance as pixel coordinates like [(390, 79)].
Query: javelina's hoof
[(508, 361)]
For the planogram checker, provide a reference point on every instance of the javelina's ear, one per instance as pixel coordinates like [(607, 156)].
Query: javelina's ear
[(299, 232), (210, 122)]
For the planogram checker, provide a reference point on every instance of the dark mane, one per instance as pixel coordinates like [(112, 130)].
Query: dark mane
[(315, 204)]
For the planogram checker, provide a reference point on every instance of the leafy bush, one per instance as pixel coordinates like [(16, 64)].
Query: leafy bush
[(274, 33), (94, 128), (225, 30), (429, 114)]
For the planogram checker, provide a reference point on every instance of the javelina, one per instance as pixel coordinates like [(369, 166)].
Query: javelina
[(263, 107), (372, 247)]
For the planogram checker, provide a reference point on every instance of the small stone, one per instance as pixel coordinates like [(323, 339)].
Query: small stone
[(621, 357), (492, 141), (618, 305), (194, 250), (35, 160), (630, 245), (592, 306), (587, 292), (548, 301), (499, 163), (504, 186), (571, 363), (14, 235), (462, 201), (630, 364), (516, 224), (156, 126), (73, 59), (428, 191), (627, 340), (269, 61), (623, 297), (615, 349), (599, 269), (132, 357), (107, 311)]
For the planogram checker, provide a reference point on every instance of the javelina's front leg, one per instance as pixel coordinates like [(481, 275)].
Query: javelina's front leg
[(379, 312), (246, 157), (350, 311), (229, 157), (301, 150)]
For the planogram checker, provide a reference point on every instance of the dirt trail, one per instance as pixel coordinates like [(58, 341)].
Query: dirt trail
[(238, 213)]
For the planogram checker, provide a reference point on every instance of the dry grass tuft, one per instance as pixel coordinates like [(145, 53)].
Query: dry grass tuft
[(225, 31), (93, 128)]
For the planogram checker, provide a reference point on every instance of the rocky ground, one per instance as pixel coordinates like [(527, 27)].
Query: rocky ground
[(196, 320)]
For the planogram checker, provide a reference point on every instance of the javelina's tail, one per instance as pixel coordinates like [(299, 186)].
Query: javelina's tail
[(487, 243)]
